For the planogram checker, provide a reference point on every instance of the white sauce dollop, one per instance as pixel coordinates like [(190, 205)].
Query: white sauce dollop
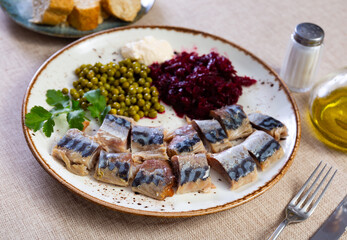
[(148, 50)]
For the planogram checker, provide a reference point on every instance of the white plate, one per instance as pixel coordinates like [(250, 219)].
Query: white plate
[(269, 95)]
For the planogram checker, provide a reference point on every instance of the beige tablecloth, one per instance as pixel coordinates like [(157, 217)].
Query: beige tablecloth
[(35, 206)]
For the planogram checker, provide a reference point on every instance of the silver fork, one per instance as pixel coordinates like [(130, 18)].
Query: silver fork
[(295, 212)]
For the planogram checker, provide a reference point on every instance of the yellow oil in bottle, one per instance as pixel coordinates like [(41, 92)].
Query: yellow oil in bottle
[(329, 116)]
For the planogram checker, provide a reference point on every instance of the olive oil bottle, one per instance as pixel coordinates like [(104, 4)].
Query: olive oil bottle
[(328, 111)]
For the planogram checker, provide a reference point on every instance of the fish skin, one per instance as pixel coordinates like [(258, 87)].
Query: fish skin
[(78, 151), (154, 179), (113, 133), (184, 140), (215, 138), (148, 143), (115, 168), (233, 120), (192, 173), (264, 148), (236, 165), (270, 125)]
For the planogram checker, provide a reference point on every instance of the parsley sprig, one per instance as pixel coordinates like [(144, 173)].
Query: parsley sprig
[(39, 117)]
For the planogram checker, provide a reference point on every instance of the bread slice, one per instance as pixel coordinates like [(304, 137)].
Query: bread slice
[(85, 15), (125, 10), (51, 12)]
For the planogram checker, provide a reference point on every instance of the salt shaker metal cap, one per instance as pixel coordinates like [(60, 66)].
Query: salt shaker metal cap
[(303, 57), (309, 34)]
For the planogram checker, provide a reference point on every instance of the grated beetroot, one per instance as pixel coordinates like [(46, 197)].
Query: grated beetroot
[(193, 85)]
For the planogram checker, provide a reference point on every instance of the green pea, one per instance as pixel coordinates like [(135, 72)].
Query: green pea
[(84, 82), (103, 80), (127, 101), (149, 79), (111, 80), (65, 91), (154, 100), (132, 112), (113, 111), (123, 70), (143, 74), (129, 74), (104, 93), (146, 90), (81, 92), (75, 83), (141, 114), (114, 97), (77, 71), (132, 90), (116, 83), (94, 87), (140, 89), (139, 96), (155, 93), (117, 74), (107, 86), (103, 69), (147, 84), (75, 95), (141, 102), (90, 74), (156, 106), (89, 85), (133, 100), (73, 91), (147, 96), (95, 69), (115, 91), (84, 105), (116, 105), (137, 70), (122, 80), (152, 114), (136, 117), (78, 87), (125, 85), (122, 104), (141, 81), (121, 98), (120, 112), (94, 80), (110, 72)]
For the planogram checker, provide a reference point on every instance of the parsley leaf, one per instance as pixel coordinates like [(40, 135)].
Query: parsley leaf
[(104, 113), (98, 107), (75, 119), (75, 105), (36, 118), (48, 127), (57, 98)]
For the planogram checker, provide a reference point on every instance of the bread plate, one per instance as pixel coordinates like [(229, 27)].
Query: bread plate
[(20, 11), (269, 95)]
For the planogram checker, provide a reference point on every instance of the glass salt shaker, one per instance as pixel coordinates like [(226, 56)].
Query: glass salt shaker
[(303, 56)]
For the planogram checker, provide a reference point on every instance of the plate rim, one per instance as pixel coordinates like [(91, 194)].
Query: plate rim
[(190, 213)]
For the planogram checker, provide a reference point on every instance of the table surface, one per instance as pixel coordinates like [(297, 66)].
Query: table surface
[(33, 205)]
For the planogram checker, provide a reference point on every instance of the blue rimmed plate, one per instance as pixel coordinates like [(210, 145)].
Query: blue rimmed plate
[(21, 12)]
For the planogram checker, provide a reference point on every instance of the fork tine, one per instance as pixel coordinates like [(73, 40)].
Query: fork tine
[(310, 188), (315, 191), (321, 195), (293, 201)]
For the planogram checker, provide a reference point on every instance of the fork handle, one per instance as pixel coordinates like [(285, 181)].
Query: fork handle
[(279, 229)]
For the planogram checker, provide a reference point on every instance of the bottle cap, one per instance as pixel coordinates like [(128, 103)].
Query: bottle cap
[(309, 34)]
